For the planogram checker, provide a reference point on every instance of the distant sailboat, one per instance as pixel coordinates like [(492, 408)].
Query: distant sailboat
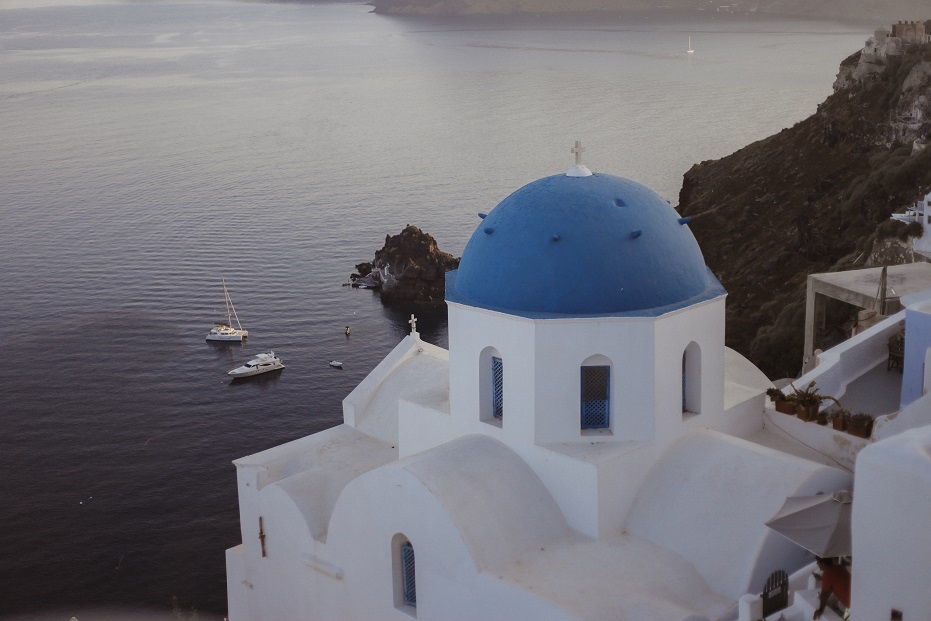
[(690, 50), (224, 330)]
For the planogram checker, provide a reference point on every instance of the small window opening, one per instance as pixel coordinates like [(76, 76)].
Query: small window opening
[(595, 397), (408, 581), (685, 382), (497, 381), (691, 380)]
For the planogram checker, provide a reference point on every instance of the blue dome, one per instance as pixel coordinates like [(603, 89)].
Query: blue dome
[(596, 245)]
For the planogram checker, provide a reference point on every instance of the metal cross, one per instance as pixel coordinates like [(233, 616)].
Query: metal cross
[(262, 535), (578, 149), (413, 322)]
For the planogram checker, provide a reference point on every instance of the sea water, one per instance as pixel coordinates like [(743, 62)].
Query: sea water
[(149, 149)]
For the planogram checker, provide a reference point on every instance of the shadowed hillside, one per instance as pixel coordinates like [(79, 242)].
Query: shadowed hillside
[(813, 198)]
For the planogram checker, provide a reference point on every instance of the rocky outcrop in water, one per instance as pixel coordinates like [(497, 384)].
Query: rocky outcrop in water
[(409, 268), (815, 197)]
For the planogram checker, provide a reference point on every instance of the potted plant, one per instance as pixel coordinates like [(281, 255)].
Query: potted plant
[(839, 418), (860, 425), (780, 401), (808, 401)]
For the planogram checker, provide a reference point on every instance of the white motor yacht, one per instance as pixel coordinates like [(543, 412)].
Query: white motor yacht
[(262, 363), (224, 330)]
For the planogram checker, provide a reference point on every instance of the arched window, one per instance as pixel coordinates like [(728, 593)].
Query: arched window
[(685, 382), (596, 404), (691, 380), (497, 388), (405, 574), (491, 386), (408, 575)]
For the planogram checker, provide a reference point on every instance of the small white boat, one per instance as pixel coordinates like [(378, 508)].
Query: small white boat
[(336, 364), (224, 330), (262, 363), (690, 50)]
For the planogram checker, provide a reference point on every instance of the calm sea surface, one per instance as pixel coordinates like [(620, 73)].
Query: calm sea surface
[(149, 149)]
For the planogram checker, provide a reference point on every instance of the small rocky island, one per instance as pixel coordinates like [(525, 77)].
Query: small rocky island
[(409, 268)]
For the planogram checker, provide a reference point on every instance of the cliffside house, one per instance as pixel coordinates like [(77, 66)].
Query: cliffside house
[(919, 212), (912, 32)]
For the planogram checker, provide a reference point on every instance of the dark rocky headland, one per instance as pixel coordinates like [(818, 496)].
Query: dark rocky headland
[(815, 197)]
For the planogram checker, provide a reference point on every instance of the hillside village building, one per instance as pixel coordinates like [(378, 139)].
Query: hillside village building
[(910, 32), (886, 44), (587, 447), (919, 212)]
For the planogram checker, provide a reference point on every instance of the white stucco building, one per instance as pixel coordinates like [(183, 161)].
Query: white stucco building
[(919, 212), (587, 448)]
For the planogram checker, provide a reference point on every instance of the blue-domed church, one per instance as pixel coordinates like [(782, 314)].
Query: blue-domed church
[(587, 447)]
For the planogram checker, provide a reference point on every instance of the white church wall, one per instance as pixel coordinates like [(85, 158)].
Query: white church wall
[(237, 586), (702, 325), (619, 480), (563, 346), (292, 489), (249, 509), (572, 482), (472, 330), (313, 470), (274, 585), (891, 559), (593, 484), (358, 401), (458, 505), (744, 394), (594, 493), (421, 428), (420, 372), (743, 419), (708, 499)]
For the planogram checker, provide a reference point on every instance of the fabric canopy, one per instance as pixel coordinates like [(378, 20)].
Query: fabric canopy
[(820, 524)]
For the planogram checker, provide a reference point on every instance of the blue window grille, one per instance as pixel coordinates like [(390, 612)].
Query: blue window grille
[(497, 381), (595, 397), (685, 380), (408, 584)]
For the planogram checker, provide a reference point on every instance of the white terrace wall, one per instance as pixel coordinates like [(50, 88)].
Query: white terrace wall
[(892, 546), (842, 365), (917, 342)]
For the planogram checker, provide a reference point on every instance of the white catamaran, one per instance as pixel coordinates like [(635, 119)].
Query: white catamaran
[(224, 331)]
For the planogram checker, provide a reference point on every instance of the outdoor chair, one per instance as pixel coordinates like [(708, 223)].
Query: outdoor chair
[(896, 352)]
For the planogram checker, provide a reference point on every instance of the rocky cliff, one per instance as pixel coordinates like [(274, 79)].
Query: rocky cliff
[(815, 197), (409, 268), (838, 9)]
